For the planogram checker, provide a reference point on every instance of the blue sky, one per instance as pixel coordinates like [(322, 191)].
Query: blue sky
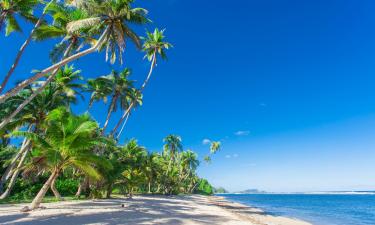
[(287, 86)]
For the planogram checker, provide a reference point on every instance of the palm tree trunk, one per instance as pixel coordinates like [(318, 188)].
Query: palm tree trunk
[(27, 101), (36, 92), (55, 191), (128, 110), (109, 191), (23, 47), (16, 172), (149, 186), (42, 192), (124, 115), (153, 63), (10, 169), (110, 110), (79, 191), (55, 66), (123, 126), (3, 15)]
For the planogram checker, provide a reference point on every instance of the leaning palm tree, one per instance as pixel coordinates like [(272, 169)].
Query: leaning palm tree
[(72, 41), (60, 92), (113, 18), (8, 9), (68, 142), (154, 46), (118, 86), (134, 99)]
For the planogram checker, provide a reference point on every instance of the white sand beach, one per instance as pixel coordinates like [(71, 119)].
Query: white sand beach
[(184, 210)]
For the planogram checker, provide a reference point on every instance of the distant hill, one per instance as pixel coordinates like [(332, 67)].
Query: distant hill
[(220, 190), (252, 191)]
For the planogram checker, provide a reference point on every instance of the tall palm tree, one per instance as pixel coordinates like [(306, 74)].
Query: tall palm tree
[(60, 92), (72, 41), (154, 46), (135, 99), (68, 142), (21, 6), (113, 18), (173, 145), (118, 86), (10, 9)]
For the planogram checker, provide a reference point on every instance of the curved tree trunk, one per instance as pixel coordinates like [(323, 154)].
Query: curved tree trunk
[(55, 66), (39, 197), (28, 100), (10, 169), (3, 15), (55, 191), (124, 115), (110, 110), (16, 172), (123, 125), (35, 93), (128, 110), (23, 47)]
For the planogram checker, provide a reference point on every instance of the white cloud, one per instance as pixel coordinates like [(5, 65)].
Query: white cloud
[(235, 155), (206, 141), (262, 104), (242, 133), (228, 156)]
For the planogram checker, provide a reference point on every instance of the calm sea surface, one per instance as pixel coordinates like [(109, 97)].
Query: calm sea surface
[(319, 209)]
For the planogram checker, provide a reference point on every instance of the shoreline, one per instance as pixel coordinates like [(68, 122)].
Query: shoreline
[(144, 209), (253, 214)]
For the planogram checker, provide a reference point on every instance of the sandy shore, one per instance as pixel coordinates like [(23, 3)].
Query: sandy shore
[(177, 210)]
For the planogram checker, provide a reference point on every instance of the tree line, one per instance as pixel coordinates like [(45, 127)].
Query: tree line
[(59, 148)]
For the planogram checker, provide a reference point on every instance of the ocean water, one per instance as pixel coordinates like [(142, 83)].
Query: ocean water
[(319, 209)]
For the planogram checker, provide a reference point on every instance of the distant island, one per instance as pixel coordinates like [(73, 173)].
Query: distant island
[(252, 191), (221, 190)]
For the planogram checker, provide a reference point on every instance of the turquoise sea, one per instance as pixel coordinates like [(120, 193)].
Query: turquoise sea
[(319, 209)]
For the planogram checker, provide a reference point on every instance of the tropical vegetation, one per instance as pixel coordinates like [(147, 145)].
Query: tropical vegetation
[(46, 149)]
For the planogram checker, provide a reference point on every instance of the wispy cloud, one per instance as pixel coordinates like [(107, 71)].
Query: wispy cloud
[(231, 156), (206, 141), (242, 133), (262, 104)]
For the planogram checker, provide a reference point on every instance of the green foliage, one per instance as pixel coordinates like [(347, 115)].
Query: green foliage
[(204, 188), (6, 154), (67, 187), (73, 150)]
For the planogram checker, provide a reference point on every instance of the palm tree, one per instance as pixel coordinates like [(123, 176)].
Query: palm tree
[(68, 142), (172, 145), (215, 146), (22, 6), (72, 41), (135, 99), (60, 92), (113, 17), (154, 46), (119, 86), (9, 10)]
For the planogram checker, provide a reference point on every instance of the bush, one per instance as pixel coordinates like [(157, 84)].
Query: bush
[(204, 188), (67, 187)]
